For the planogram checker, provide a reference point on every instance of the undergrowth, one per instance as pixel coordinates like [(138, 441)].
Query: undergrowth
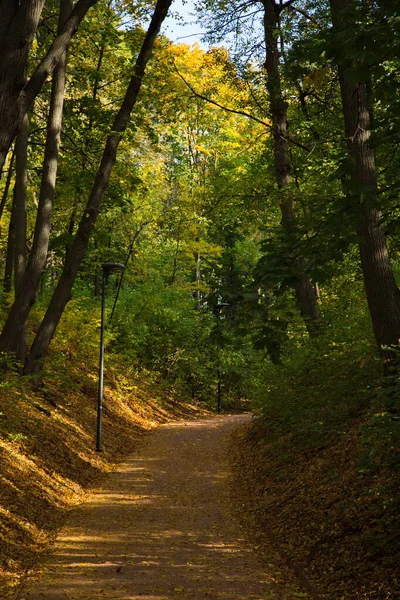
[(320, 465)]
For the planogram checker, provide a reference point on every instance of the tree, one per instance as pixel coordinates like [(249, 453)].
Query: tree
[(18, 24), (63, 290), (13, 332), (241, 16), (381, 289), (304, 291)]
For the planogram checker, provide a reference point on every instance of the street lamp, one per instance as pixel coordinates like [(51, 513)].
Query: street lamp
[(217, 310), (107, 267)]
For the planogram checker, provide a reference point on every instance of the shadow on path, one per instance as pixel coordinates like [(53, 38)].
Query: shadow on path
[(158, 528)]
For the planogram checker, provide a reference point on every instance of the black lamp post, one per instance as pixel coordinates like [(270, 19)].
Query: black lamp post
[(107, 267), (217, 310)]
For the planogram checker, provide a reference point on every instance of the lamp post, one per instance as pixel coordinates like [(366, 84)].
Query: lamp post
[(217, 310), (107, 268)]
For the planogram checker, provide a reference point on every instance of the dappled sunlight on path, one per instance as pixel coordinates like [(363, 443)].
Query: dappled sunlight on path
[(158, 529)]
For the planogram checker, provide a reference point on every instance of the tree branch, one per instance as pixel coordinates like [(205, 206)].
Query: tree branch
[(130, 252), (239, 112), (286, 5), (49, 62)]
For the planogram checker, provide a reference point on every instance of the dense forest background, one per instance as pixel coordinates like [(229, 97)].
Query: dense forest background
[(251, 190)]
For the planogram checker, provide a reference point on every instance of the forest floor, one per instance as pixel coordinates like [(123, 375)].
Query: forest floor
[(199, 506), (160, 527), (48, 460), (320, 512)]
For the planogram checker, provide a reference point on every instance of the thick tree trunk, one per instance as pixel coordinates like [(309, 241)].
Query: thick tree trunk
[(304, 291), (18, 24), (13, 332), (62, 292), (382, 292)]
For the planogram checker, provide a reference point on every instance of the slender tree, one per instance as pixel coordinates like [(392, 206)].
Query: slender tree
[(11, 337), (20, 222), (4, 196), (9, 262), (304, 290), (62, 292)]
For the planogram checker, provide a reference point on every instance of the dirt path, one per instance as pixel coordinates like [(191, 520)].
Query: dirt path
[(158, 529)]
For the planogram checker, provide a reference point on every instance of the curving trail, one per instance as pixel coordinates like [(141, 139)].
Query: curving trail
[(158, 529)]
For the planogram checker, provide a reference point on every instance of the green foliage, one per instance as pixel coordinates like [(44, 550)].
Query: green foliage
[(158, 328), (321, 388)]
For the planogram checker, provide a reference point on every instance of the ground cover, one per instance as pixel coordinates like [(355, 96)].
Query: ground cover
[(159, 528), (47, 448), (333, 522)]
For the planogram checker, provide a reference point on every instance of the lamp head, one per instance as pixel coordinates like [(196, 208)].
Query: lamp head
[(221, 305), (109, 267), (218, 307)]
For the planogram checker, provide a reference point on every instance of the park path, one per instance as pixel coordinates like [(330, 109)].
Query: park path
[(158, 529)]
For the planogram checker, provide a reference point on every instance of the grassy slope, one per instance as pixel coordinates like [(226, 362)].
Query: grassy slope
[(47, 455)]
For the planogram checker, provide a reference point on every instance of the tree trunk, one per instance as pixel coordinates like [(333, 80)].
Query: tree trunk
[(62, 292), (382, 292), (4, 196), (19, 223), (304, 291), (16, 322), (9, 266), (197, 273), (20, 202), (18, 24)]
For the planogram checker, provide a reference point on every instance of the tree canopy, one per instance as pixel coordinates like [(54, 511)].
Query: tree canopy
[(249, 185)]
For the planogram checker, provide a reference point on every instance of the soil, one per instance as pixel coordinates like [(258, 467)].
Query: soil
[(161, 527)]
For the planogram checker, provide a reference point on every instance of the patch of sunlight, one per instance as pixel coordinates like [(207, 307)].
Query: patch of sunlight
[(145, 597), (88, 539), (9, 483), (220, 547), (122, 498), (22, 523), (167, 534), (92, 565), (50, 484), (65, 420)]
